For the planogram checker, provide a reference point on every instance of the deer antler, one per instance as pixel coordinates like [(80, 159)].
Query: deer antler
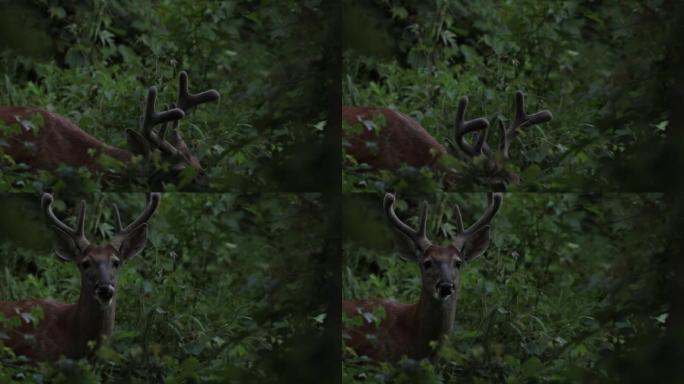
[(521, 120), (186, 100), (419, 237), (78, 233), (152, 118), (152, 202), (463, 127), (493, 203)]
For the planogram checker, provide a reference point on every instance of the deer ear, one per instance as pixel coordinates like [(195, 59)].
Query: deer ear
[(134, 242), (64, 245), (408, 250), (477, 244), (137, 143)]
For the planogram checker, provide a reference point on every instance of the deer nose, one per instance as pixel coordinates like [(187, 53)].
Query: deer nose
[(445, 289), (105, 292)]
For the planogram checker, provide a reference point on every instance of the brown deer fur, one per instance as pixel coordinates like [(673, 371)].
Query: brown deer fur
[(401, 139), (57, 141), (66, 329), (406, 329)]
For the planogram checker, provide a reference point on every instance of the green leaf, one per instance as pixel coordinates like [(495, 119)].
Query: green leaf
[(57, 12), (399, 13), (530, 173), (320, 319), (531, 367)]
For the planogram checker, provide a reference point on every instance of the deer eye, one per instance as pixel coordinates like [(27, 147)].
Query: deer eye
[(458, 263), (85, 264), (116, 263), (427, 264)]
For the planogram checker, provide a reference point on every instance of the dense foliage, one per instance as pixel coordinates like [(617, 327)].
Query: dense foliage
[(93, 61), (222, 292), (604, 69), (583, 285), (572, 288)]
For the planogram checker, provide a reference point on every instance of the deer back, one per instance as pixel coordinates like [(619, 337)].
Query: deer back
[(399, 140), (56, 141)]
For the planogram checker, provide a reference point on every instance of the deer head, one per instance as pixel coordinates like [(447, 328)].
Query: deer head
[(440, 266), (496, 175), (174, 151), (99, 264)]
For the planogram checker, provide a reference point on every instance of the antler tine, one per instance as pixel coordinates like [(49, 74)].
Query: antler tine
[(418, 237), (463, 127), (152, 118), (504, 143), (163, 129), (459, 219), (481, 139), (494, 202), (186, 100), (151, 206), (78, 234), (422, 226), (80, 229), (521, 120), (117, 217), (169, 125)]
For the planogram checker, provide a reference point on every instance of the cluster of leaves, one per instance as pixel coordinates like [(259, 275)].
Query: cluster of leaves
[(93, 62), (227, 298), (556, 298), (600, 68)]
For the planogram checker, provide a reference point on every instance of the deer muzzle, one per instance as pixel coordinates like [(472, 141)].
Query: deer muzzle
[(104, 293), (444, 289)]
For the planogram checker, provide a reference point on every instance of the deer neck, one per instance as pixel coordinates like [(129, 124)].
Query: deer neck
[(434, 320), (92, 322)]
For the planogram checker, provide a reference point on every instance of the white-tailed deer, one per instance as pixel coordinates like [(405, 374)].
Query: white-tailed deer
[(59, 141), (417, 330), (403, 141), (67, 329)]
